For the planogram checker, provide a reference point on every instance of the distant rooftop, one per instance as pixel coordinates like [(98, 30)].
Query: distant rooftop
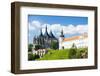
[(82, 36)]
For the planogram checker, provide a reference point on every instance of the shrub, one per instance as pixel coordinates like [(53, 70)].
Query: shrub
[(32, 56), (72, 51), (82, 53), (37, 56), (78, 54), (37, 47), (30, 47), (54, 45)]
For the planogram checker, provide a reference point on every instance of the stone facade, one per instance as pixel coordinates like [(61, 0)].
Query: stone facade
[(44, 40)]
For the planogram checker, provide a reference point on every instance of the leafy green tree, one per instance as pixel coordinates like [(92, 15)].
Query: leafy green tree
[(38, 47), (82, 53), (78, 54), (54, 45), (72, 51), (74, 46), (33, 56), (30, 47)]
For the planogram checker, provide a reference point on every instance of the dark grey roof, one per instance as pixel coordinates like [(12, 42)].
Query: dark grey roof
[(51, 35), (46, 33), (41, 34)]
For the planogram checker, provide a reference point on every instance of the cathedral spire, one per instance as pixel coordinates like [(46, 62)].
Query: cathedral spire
[(46, 32), (46, 28), (51, 34), (62, 35), (41, 32)]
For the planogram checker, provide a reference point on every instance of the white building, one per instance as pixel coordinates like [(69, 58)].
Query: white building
[(79, 41)]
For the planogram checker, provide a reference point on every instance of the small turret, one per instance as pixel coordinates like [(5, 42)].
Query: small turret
[(62, 35), (61, 38)]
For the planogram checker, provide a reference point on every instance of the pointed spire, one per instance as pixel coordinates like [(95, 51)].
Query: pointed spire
[(62, 35), (46, 28), (46, 32), (62, 31), (51, 34), (41, 32)]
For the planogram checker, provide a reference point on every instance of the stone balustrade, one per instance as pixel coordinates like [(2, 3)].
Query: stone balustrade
[(39, 52)]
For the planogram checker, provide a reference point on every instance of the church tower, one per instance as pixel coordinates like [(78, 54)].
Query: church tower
[(61, 38)]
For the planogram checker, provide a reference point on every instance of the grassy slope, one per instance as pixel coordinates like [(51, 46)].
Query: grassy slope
[(61, 54), (55, 54)]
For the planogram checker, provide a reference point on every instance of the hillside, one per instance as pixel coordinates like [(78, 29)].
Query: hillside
[(55, 54)]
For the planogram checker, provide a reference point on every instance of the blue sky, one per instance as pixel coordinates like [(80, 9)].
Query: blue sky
[(71, 25), (58, 19)]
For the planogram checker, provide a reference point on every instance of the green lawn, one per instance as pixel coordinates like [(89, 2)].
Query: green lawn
[(62, 54), (55, 54)]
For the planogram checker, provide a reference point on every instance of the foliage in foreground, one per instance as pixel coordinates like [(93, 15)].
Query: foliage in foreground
[(30, 47), (32, 56), (76, 53), (54, 45), (72, 53)]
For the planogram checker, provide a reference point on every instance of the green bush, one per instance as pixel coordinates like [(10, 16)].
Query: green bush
[(78, 54), (30, 47), (32, 56), (72, 53), (37, 47), (37, 56), (82, 51), (54, 45)]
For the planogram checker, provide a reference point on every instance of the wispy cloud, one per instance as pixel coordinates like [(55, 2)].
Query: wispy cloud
[(34, 25), (56, 28), (71, 29)]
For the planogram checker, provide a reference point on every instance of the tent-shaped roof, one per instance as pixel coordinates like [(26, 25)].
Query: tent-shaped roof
[(41, 34), (46, 33), (51, 35)]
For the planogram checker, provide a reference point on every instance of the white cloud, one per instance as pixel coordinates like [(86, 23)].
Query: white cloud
[(71, 29), (31, 27), (34, 25), (82, 28), (56, 28)]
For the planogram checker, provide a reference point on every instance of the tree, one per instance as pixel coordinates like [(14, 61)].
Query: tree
[(54, 45), (33, 56), (74, 46), (38, 47), (82, 53), (30, 47), (72, 51)]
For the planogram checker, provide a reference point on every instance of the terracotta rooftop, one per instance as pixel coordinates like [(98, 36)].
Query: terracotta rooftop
[(74, 38)]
